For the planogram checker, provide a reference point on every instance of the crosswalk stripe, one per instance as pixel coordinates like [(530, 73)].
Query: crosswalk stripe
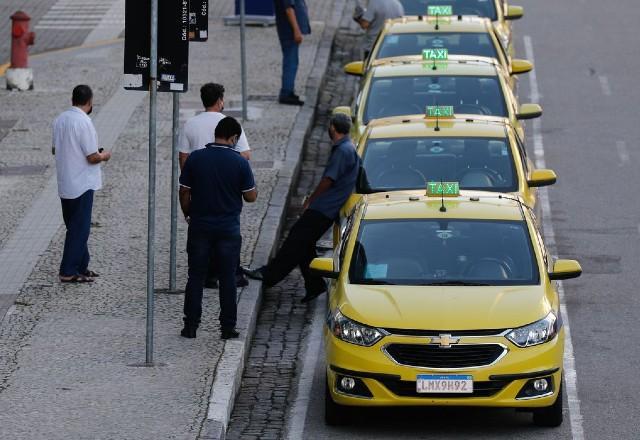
[(79, 15)]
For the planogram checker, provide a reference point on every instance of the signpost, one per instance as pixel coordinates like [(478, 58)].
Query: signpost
[(198, 20)]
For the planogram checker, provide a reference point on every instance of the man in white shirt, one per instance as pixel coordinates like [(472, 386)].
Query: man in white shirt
[(78, 158), (199, 131)]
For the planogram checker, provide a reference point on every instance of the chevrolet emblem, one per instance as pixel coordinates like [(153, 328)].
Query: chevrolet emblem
[(445, 341)]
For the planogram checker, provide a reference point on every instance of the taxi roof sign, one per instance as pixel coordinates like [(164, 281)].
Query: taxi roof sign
[(439, 10), (440, 112), (435, 54), (443, 189)]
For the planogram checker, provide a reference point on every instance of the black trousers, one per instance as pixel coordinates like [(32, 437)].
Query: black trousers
[(299, 249), (225, 249), (77, 218)]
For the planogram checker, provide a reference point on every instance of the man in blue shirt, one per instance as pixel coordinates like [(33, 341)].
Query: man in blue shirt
[(213, 183), (292, 22), (320, 211)]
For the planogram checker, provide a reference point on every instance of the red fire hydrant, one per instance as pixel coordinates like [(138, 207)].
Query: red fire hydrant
[(19, 76)]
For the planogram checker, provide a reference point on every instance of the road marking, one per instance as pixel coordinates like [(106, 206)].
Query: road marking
[(298, 414), (623, 153), (604, 84), (570, 374), (80, 15)]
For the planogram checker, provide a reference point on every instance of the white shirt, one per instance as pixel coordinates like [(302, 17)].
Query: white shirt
[(199, 131), (75, 138)]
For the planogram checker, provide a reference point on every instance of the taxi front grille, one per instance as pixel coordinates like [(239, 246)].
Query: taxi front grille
[(434, 356), (405, 388)]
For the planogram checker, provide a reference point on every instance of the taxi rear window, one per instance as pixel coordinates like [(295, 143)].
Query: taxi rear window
[(423, 252), (410, 95), (458, 43), (408, 163), (481, 8)]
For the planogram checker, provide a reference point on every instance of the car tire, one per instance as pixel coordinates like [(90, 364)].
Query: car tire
[(334, 413), (551, 416)]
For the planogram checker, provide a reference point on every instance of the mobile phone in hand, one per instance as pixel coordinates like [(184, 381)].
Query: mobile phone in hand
[(100, 150)]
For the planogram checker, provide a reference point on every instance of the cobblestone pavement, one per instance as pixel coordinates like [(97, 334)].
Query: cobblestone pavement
[(65, 350), (268, 382)]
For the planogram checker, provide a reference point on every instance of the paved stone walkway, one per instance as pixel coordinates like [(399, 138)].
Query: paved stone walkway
[(270, 376)]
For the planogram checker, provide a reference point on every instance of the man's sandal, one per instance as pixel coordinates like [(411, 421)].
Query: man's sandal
[(76, 279)]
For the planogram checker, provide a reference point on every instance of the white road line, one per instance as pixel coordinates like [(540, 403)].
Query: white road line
[(570, 375), (604, 84), (298, 413), (623, 153)]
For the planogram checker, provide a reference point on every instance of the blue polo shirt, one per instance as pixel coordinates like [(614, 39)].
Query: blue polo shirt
[(217, 176), (342, 169), (285, 32)]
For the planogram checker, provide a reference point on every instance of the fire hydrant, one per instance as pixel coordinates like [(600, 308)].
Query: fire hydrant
[(19, 75)]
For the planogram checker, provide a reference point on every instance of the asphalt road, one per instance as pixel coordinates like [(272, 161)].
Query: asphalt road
[(586, 55)]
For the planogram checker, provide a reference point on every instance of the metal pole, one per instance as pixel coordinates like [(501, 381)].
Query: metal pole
[(243, 60), (151, 207), (174, 193)]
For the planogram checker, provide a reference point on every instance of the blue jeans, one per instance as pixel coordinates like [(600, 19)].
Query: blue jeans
[(77, 218), (289, 67), (203, 244)]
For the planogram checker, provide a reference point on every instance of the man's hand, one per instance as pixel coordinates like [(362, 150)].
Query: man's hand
[(297, 37), (98, 157), (106, 155)]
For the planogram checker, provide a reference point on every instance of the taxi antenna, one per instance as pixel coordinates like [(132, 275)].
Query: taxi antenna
[(442, 207), (437, 128), (437, 28)]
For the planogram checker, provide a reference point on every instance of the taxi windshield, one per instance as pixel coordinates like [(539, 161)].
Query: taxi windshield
[(408, 163), (458, 43), (481, 8), (443, 252), (410, 95)]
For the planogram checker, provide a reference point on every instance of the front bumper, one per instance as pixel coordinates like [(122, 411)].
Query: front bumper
[(495, 385)]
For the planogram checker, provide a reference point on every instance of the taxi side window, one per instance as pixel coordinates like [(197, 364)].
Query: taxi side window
[(356, 103), (543, 249), (344, 237), (523, 154)]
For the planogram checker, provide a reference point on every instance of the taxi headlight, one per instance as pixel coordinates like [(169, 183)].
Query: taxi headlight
[(537, 333), (352, 332)]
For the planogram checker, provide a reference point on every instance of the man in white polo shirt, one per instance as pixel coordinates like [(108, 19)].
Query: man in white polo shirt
[(78, 158), (199, 131)]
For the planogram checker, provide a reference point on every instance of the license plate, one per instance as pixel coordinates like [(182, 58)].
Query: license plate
[(432, 383)]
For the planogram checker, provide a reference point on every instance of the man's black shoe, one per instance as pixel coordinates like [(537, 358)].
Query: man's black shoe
[(254, 274), (311, 296), (188, 332), (290, 100), (241, 280), (211, 283), (229, 333)]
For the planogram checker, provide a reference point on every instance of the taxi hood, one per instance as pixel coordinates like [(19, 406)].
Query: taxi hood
[(445, 307)]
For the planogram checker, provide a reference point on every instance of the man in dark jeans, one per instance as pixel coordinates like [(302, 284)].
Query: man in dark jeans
[(213, 183), (292, 22), (320, 211)]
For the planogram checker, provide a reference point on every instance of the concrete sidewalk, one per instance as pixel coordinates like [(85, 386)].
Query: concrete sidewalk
[(66, 352)]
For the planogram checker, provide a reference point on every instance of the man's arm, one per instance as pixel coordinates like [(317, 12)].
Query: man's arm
[(182, 158), (323, 186), (98, 157), (250, 196), (293, 21), (246, 154), (185, 201)]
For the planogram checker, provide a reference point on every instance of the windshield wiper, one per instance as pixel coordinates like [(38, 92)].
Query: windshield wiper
[(454, 283)]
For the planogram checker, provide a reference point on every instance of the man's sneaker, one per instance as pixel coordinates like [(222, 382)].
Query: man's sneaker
[(230, 333), (254, 274), (290, 100), (241, 280), (188, 332)]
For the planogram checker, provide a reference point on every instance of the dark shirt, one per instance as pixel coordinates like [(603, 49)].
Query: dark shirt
[(285, 32), (343, 170), (217, 176)]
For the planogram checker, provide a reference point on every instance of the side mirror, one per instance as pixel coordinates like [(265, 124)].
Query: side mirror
[(324, 268), (514, 13), (355, 68), (565, 270), (542, 177), (529, 111), (520, 66), (344, 109)]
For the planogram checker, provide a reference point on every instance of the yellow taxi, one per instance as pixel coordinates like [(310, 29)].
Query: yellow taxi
[(445, 299), (471, 85), (480, 152), (498, 11), (406, 37)]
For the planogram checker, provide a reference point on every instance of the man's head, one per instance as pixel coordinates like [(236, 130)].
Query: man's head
[(228, 131), (82, 98), (339, 126), (212, 96)]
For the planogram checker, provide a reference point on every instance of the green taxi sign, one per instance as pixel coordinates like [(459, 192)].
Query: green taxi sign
[(440, 111), (435, 54), (443, 189), (439, 10)]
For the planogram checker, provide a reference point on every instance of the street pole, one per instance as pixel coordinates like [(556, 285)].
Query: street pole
[(243, 60), (174, 193), (151, 206)]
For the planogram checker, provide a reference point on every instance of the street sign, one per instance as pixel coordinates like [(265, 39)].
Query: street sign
[(198, 20), (173, 45)]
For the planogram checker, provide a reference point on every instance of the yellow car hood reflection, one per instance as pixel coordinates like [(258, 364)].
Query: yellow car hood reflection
[(444, 307)]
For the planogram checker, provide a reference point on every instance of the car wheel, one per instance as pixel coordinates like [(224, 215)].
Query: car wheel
[(550, 416), (334, 414)]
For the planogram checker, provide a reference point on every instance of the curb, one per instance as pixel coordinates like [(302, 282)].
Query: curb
[(231, 366)]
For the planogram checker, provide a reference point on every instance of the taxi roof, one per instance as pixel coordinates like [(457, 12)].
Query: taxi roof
[(457, 65), (469, 205), (456, 23), (419, 126)]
